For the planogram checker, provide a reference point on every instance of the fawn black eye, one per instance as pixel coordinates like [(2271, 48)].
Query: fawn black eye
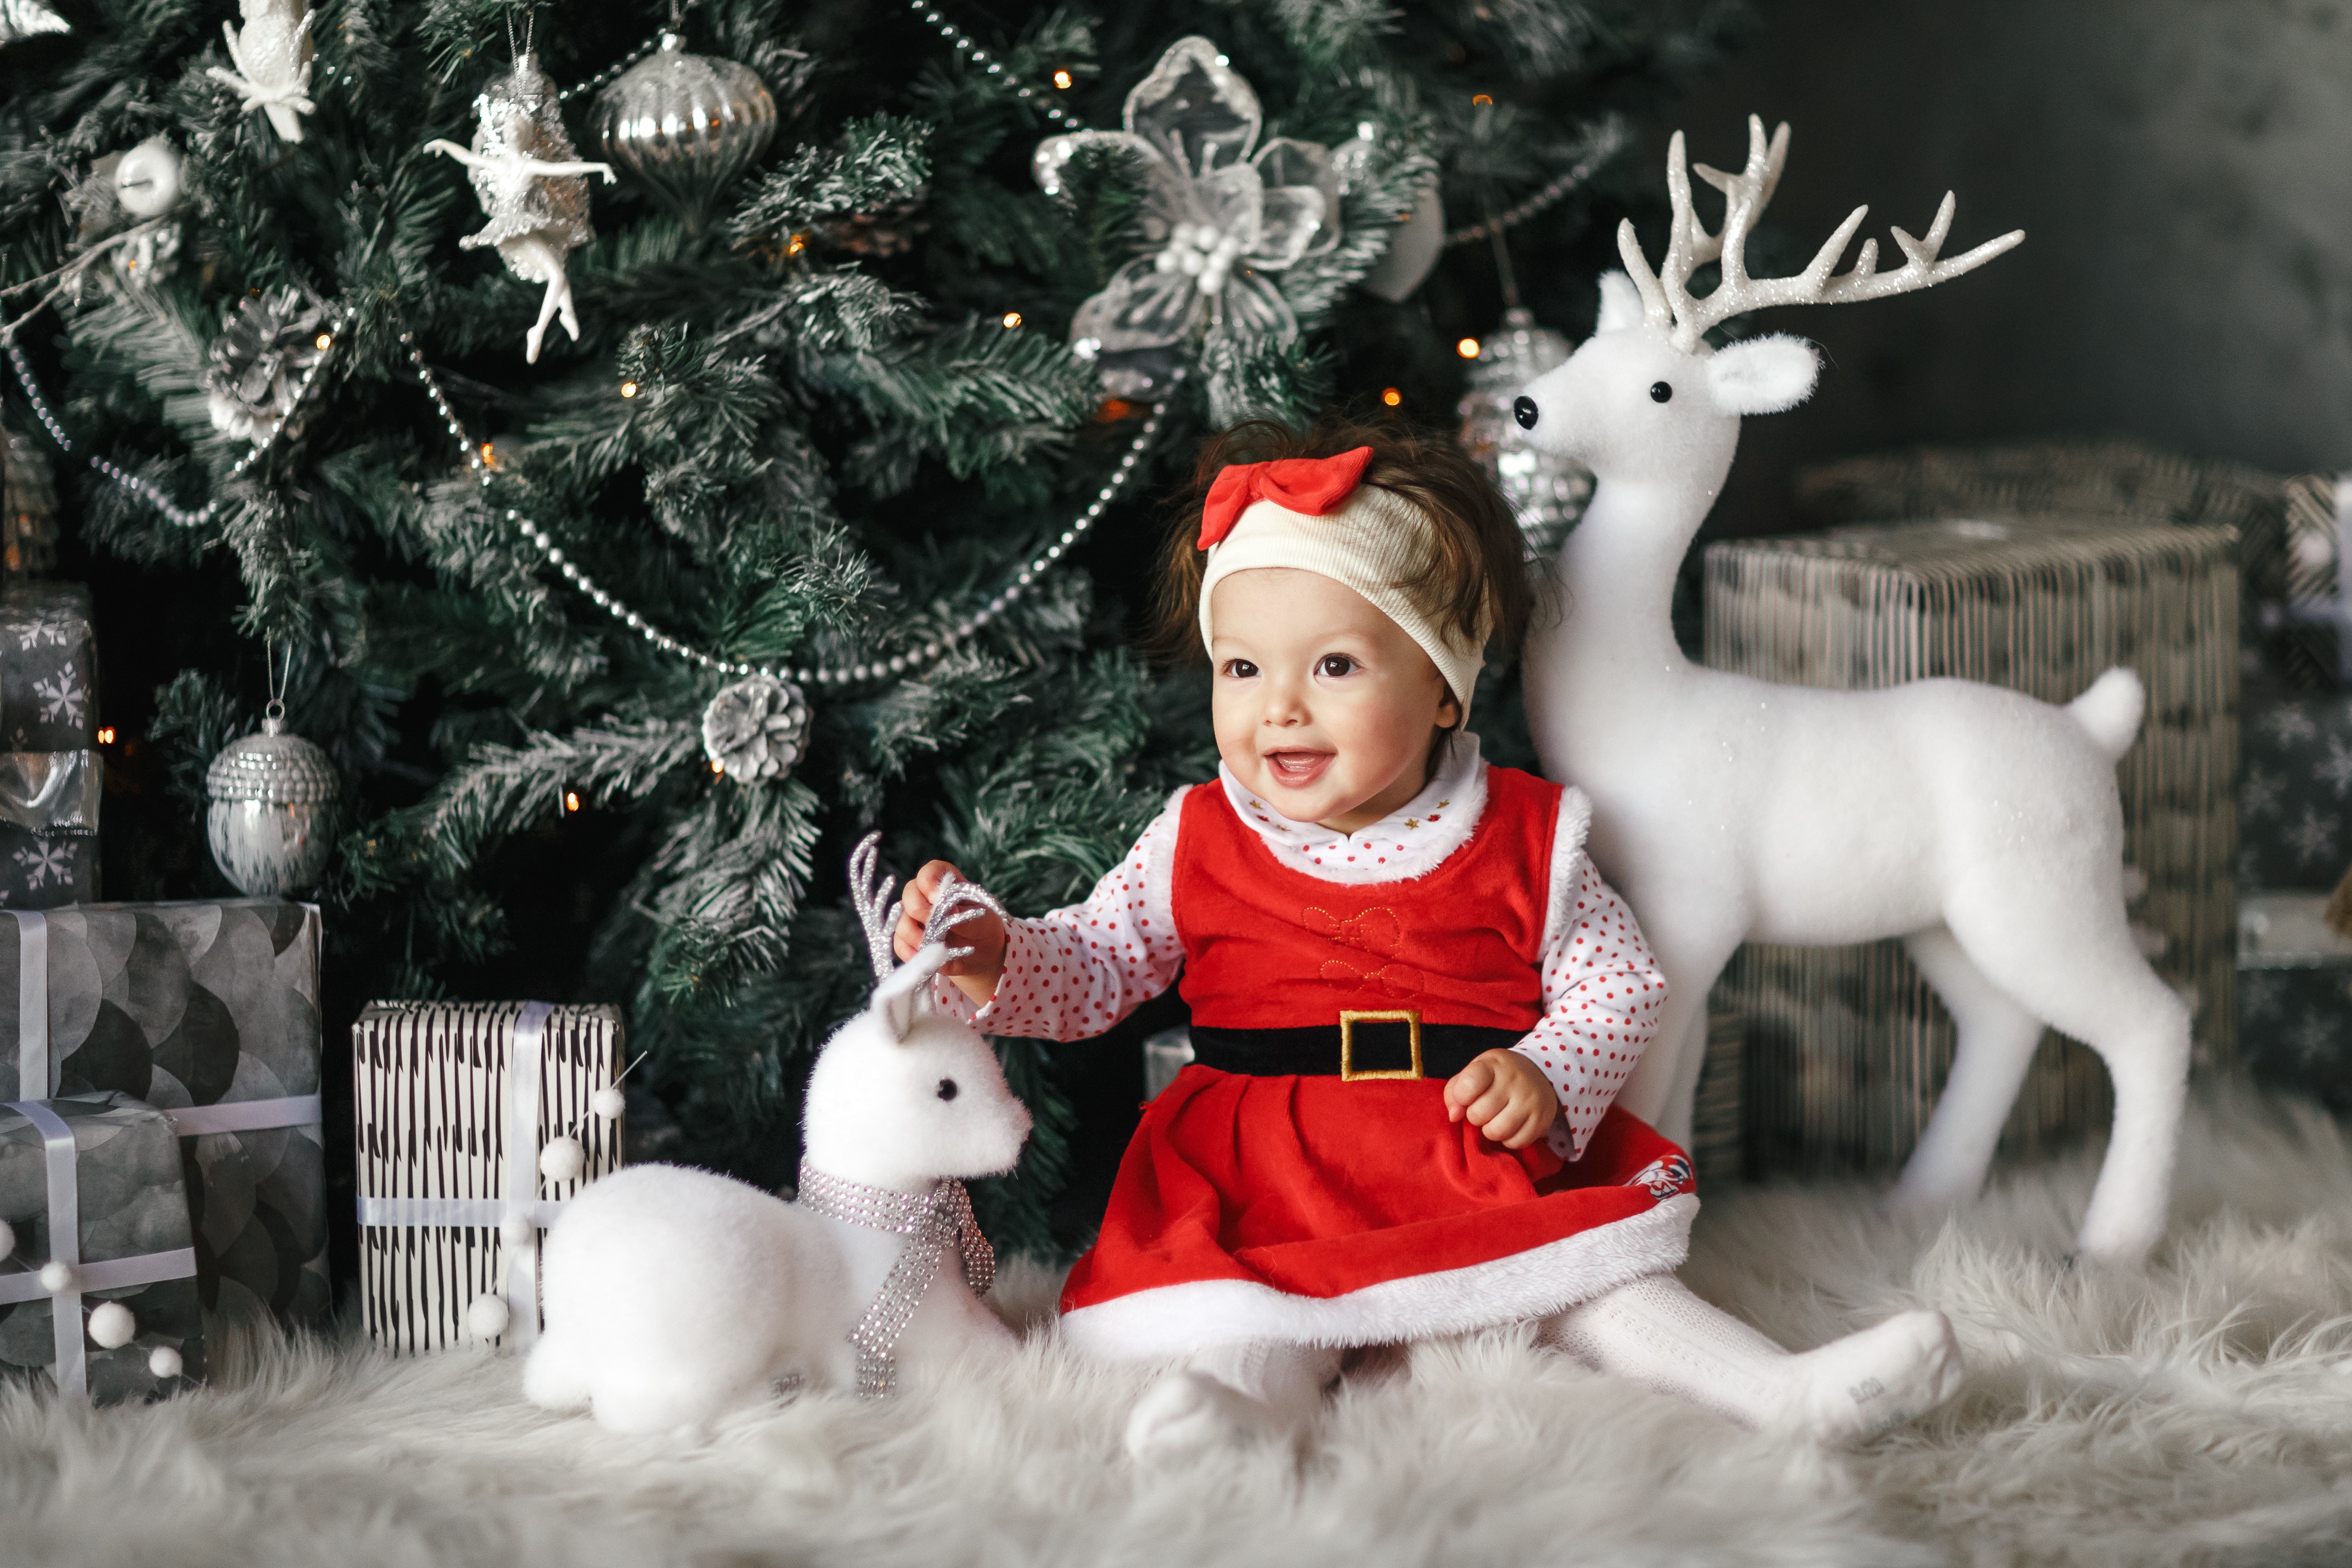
[(1525, 411), (1660, 392), (947, 1089)]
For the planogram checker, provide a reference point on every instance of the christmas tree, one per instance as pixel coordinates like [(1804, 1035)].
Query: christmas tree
[(634, 542)]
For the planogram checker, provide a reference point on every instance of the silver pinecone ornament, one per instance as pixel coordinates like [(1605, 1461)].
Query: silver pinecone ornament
[(685, 127), (271, 820), (756, 729), (257, 363), (1547, 493)]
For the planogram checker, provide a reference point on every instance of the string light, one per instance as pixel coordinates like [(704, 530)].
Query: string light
[(106, 736), (797, 244), (1392, 396), (1062, 79), (323, 342), (1481, 100), (717, 766), (1012, 319), (1467, 348), (628, 389), (570, 800)]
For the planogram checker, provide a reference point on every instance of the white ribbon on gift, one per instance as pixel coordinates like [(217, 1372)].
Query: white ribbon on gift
[(520, 1151), (72, 1366), (36, 1073)]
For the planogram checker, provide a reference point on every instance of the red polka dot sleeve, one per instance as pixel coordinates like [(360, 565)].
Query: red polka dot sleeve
[(1071, 974), (1603, 993)]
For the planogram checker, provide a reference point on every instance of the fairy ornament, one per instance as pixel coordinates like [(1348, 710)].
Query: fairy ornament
[(532, 184)]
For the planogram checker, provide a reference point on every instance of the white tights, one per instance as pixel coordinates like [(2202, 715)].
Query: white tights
[(1652, 1331)]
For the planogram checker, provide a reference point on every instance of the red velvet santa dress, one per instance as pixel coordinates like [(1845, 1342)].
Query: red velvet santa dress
[(1265, 1196)]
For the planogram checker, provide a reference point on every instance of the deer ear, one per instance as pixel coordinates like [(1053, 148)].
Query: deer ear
[(895, 999), (1763, 375), (1620, 304)]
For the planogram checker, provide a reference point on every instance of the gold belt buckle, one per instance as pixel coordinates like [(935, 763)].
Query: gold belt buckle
[(1348, 1022)]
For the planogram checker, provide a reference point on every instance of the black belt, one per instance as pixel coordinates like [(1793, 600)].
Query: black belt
[(1361, 1045)]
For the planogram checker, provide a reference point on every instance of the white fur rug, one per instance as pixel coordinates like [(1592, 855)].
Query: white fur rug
[(2198, 1411)]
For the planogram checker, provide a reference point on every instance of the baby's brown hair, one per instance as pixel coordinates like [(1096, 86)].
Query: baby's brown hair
[(1476, 568)]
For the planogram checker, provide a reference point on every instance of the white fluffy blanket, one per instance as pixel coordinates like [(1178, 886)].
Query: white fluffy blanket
[(2196, 1412)]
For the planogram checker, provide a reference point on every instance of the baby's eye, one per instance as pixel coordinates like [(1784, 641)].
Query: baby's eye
[(1334, 664), (1240, 669)]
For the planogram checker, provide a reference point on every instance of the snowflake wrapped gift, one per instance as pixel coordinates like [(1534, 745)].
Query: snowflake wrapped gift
[(2294, 793), (1218, 216), (49, 768)]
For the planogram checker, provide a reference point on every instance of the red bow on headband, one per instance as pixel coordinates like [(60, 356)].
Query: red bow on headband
[(1315, 486)]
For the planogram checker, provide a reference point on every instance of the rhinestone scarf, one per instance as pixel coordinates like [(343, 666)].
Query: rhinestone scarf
[(931, 1222)]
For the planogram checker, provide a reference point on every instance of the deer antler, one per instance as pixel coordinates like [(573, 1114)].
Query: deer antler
[(1666, 299), (968, 901), (869, 894)]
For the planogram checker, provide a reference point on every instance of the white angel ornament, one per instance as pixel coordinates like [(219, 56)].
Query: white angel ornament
[(533, 186), (273, 62)]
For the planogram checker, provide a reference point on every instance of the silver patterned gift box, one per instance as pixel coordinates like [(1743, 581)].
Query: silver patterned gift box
[(92, 1183), (2294, 996), (209, 1010), (50, 775), (463, 1109), (1848, 1047)]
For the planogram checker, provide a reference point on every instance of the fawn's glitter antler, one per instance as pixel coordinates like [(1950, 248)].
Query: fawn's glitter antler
[(1668, 303), (869, 894)]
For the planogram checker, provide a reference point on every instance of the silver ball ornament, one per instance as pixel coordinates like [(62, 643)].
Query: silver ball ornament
[(685, 127), (518, 1231), (147, 181), (163, 1362), (562, 1160), (271, 820), (112, 1326), (488, 1318), (609, 1102), (1547, 493)]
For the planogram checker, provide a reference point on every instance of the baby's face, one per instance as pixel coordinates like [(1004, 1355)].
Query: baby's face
[(1323, 706)]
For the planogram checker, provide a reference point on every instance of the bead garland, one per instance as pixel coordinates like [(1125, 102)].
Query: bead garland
[(602, 78), (979, 56), (142, 489), (1611, 139), (874, 669)]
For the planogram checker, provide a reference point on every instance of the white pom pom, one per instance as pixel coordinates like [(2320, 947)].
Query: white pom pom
[(7, 1238), (516, 1230), (486, 1318), (112, 1326), (609, 1102), (164, 1361), (562, 1160), (56, 1278)]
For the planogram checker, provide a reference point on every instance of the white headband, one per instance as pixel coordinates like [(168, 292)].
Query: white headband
[(1374, 544)]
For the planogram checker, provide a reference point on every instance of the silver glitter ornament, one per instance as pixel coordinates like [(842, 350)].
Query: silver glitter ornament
[(756, 729), (685, 127), (1547, 493), (271, 820)]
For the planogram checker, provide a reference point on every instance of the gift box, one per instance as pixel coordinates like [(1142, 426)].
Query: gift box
[(2295, 794), (2294, 996), (1848, 1047), (476, 1122), (50, 776), (208, 1010), (94, 1182)]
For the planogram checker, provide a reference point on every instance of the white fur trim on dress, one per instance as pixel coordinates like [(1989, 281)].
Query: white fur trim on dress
[(1405, 843), (1175, 1319)]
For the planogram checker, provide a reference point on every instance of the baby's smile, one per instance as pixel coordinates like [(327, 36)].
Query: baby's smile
[(1298, 768)]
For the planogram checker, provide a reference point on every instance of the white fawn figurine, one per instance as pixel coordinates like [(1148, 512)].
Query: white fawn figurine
[(673, 1295), (1979, 825)]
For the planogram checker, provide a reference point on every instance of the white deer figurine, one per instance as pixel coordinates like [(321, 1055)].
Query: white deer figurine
[(1979, 825), (673, 1295)]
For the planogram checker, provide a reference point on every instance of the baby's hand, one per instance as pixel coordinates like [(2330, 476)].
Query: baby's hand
[(1505, 1097), (975, 973)]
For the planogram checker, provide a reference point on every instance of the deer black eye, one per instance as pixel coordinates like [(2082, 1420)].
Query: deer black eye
[(1525, 411), (947, 1089), (1660, 392)]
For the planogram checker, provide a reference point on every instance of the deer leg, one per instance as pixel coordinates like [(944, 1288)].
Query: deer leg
[(1996, 1047), (2085, 976), (1666, 1081)]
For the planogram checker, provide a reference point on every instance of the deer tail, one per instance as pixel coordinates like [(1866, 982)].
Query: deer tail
[(2110, 711)]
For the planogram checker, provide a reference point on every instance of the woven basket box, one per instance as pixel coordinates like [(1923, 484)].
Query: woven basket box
[(1848, 1048), (432, 1082)]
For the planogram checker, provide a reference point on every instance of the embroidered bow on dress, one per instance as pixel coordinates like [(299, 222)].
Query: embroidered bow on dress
[(1315, 487)]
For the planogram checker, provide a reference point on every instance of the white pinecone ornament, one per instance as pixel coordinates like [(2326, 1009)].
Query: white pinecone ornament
[(756, 729), (257, 363)]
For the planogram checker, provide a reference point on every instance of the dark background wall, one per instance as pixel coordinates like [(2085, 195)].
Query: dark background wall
[(2182, 170)]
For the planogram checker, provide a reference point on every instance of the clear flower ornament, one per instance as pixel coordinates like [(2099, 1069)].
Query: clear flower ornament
[(1218, 215)]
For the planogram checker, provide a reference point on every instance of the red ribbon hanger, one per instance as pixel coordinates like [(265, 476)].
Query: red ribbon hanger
[(1314, 485)]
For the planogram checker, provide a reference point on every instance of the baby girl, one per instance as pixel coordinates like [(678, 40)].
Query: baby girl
[(1413, 998)]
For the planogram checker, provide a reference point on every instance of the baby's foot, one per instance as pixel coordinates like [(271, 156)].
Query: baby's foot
[(1851, 1390), (1186, 1414)]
